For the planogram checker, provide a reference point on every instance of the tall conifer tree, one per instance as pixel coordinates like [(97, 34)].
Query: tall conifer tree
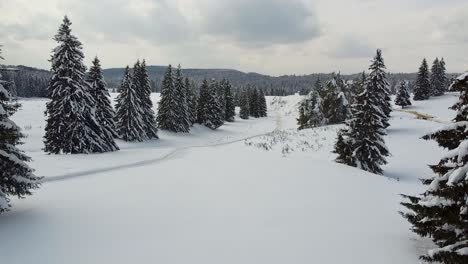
[(143, 88), (71, 124), (422, 87)]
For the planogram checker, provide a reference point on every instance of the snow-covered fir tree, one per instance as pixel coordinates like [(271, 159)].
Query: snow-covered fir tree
[(210, 112), (230, 107), (310, 114), (441, 213), (192, 100), (403, 95), (262, 104), (334, 104), (377, 80), (253, 102), (443, 75), (105, 114), (220, 90), (71, 123), (181, 105), (16, 177), (129, 120), (438, 78), (173, 109), (244, 104), (365, 130), (143, 88), (422, 87)]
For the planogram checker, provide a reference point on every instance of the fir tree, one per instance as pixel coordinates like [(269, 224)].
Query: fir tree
[(310, 114), (365, 130), (334, 105), (129, 121), (104, 112), (438, 78), (253, 103), (403, 96), (262, 105), (16, 177), (422, 88), (143, 88), (244, 104), (181, 105), (443, 77), (377, 79), (71, 124), (173, 108), (441, 213), (220, 90), (192, 100), (230, 107), (210, 113)]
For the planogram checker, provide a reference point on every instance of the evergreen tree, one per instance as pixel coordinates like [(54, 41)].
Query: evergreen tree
[(210, 112), (253, 103), (310, 114), (365, 130), (377, 79), (143, 88), (334, 105), (192, 100), (262, 105), (438, 78), (104, 112), (129, 122), (16, 177), (244, 104), (71, 124), (173, 108), (220, 90), (403, 96), (422, 87), (441, 213), (318, 87), (230, 107), (181, 105)]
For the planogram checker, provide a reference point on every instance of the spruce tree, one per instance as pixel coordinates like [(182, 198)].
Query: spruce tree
[(230, 107), (403, 95), (71, 123), (129, 122), (438, 78), (192, 100), (443, 77), (377, 79), (105, 114), (181, 105), (334, 105), (210, 112), (262, 105), (173, 109), (422, 87), (365, 130), (16, 177), (220, 90), (253, 103), (441, 213), (310, 114), (143, 88), (244, 104)]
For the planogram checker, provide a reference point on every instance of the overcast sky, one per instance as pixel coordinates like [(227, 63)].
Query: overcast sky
[(266, 36)]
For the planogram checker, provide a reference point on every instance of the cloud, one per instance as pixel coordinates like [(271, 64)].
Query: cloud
[(260, 22), (349, 47)]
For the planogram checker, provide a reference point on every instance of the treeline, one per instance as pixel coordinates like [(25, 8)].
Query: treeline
[(27, 82)]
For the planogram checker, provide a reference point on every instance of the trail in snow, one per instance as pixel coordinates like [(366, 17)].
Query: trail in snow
[(422, 116), (165, 157)]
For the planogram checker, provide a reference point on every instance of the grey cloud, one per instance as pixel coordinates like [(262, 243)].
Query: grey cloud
[(350, 47), (260, 22), (37, 27)]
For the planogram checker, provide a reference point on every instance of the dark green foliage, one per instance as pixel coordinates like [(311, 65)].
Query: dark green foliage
[(210, 112), (192, 100), (334, 104), (230, 108), (310, 114), (441, 213), (422, 87), (262, 105), (71, 125), (105, 114), (377, 82), (403, 95), (344, 148), (253, 103), (438, 78), (16, 177), (129, 122), (244, 104), (143, 88)]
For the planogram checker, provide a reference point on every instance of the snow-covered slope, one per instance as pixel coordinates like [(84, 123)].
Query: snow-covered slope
[(213, 197)]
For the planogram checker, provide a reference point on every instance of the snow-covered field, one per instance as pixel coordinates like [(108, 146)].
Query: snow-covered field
[(253, 191)]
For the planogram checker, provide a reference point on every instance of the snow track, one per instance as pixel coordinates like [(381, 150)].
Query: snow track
[(163, 158)]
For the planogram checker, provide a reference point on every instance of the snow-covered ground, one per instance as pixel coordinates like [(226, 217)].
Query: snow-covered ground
[(254, 191)]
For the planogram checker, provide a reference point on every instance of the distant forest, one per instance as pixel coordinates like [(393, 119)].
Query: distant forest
[(32, 82)]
